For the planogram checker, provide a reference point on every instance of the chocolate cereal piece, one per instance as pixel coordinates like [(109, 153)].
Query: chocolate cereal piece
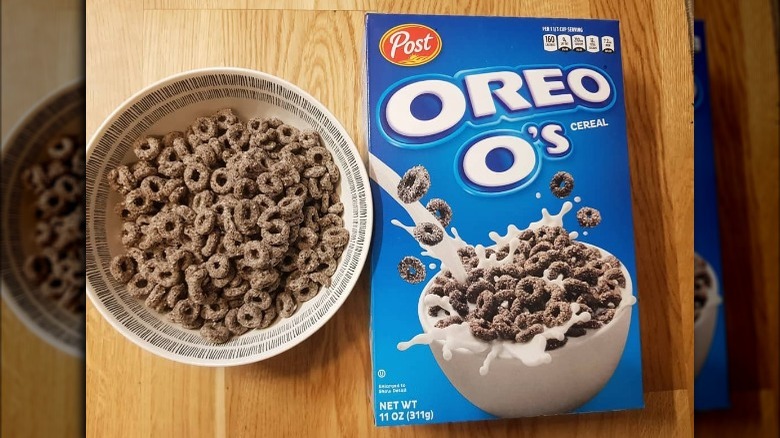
[(428, 234), (588, 217), (411, 270), (562, 184), (414, 184), (440, 210)]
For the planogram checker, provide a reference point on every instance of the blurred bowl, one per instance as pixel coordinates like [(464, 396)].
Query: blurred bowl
[(59, 114), (704, 326), (172, 104)]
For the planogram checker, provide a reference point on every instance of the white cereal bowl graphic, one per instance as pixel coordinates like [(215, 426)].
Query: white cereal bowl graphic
[(704, 326), (577, 372), (172, 104)]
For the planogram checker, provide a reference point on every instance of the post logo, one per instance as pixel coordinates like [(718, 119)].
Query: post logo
[(409, 45)]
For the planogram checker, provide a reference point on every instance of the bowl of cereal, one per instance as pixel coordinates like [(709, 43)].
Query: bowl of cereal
[(512, 337), (227, 217), (42, 219), (706, 304)]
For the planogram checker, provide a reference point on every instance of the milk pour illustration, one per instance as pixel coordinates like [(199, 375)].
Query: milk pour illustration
[(487, 168)]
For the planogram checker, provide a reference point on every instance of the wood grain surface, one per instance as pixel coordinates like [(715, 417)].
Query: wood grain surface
[(743, 70), (42, 50), (322, 387)]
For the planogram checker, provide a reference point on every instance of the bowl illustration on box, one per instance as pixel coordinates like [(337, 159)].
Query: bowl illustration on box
[(706, 303), (510, 324)]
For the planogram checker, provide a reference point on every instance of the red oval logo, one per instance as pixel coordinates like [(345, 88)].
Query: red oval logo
[(409, 45)]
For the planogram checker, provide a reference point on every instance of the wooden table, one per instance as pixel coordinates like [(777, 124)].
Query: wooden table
[(42, 387), (321, 387)]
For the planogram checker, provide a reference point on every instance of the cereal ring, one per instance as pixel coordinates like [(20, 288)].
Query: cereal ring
[(122, 268), (285, 304), (476, 288), (448, 321), (168, 164), (204, 128), (175, 294), (290, 207), (588, 273), (308, 261), (237, 137), (557, 313), (275, 232), (68, 187), (215, 332), (185, 312), (557, 269), (38, 267), (487, 305), (50, 203), (218, 266), (336, 237), (537, 264), (575, 288), (204, 222), (215, 311), (250, 315), (428, 234), (588, 217), (166, 275), (562, 184), (414, 184), (224, 118), (269, 316), (261, 298), (482, 329), (541, 246), (244, 188), (62, 149), (309, 291), (221, 181), (529, 333), (139, 286), (35, 178), (231, 322), (615, 276), (170, 225), (196, 177), (147, 149), (532, 293), (411, 270), (269, 184), (440, 210)]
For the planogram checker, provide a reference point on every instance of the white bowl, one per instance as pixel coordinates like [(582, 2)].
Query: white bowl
[(172, 104), (577, 372), (61, 113), (704, 326)]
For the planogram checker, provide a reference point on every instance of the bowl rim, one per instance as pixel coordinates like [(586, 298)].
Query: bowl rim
[(351, 282), (5, 291)]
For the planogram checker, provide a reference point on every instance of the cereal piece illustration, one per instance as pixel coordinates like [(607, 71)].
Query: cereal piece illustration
[(440, 210), (562, 184), (414, 184), (411, 270), (227, 228), (588, 217), (428, 233)]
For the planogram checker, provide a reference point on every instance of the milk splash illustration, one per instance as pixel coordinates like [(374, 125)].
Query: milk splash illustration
[(458, 337)]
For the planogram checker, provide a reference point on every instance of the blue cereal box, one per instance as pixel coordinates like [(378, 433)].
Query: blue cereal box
[(709, 343), (503, 280)]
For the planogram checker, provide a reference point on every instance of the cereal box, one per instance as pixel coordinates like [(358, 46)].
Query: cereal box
[(503, 279), (710, 368)]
